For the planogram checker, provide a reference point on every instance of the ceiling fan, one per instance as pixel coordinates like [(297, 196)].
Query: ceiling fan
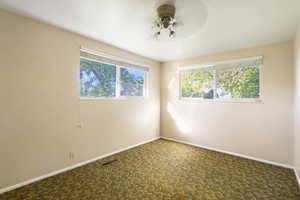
[(166, 20)]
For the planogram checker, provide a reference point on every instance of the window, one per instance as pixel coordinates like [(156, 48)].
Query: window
[(238, 83), (101, 77), (235, 80), (132, 82), (198, 84), (97, 79)]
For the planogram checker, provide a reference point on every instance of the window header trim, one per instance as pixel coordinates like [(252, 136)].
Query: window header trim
[(224, 64), (105, 58)]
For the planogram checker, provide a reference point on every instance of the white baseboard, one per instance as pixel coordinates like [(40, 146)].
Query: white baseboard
[(297, 176), (230, 153), (71, 167)]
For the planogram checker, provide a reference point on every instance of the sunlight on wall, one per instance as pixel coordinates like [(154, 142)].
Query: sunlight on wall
[(174, 94), (179, 122), (172, 83)]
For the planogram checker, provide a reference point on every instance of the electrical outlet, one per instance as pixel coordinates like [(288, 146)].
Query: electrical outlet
[(71, 155), (79, 125)]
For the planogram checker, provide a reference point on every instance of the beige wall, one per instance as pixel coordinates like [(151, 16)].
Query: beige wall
[(262, 130), (297, 102), (40, 107)]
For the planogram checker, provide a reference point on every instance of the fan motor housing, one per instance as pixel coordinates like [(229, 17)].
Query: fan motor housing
[(166, 13), (166, 10)]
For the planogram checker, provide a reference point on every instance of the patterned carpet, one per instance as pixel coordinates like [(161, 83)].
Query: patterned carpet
[(166, 170)]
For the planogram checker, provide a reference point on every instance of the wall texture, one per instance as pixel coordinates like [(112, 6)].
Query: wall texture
[(40, 107), (263, 130), (297, 102)]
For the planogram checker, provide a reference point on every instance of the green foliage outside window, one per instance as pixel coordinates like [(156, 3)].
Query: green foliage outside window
[(132, 82), (242, 82), (231, 83), (97, 79), (197, 84)]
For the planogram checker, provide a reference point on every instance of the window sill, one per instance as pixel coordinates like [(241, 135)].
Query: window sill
[(110, 98), (223, 100)]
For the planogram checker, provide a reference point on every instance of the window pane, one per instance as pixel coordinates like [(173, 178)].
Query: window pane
[(239, 82), (197, 84), (97, 79), (132, 82)]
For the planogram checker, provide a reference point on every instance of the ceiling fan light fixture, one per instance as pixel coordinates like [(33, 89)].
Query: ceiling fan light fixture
[(166, 19), (172, 34)]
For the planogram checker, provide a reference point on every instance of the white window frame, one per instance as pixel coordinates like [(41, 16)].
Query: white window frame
[(213, 67), (118, 84)]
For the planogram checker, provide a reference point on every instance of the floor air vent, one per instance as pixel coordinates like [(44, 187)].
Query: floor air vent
[(109, 162)]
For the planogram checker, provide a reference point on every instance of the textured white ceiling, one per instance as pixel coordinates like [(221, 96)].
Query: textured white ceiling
[(219, 24)]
